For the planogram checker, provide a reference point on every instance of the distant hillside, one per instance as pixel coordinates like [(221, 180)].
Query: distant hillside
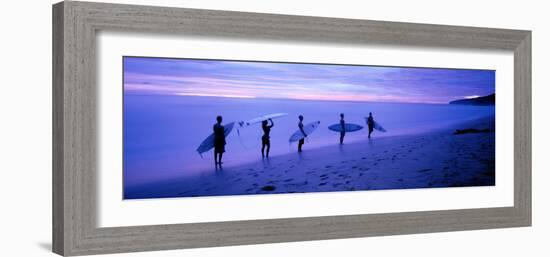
[(482, 100)]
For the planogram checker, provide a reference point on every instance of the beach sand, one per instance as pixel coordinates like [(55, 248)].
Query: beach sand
[(433, 159)]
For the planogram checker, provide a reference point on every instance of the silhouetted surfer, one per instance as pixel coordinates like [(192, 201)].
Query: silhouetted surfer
[(343, 131), (265, 138), (219, 141), (301, 127), (370, 123)]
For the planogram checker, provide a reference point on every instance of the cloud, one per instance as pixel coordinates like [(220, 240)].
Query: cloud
[(302, 81)]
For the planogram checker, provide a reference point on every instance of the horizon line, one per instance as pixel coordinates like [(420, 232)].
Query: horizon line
[(231, 96)]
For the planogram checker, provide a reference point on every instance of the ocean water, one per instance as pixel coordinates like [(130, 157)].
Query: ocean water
[(162, 133)]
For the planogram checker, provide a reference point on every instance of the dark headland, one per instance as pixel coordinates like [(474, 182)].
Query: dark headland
[(482, 100)]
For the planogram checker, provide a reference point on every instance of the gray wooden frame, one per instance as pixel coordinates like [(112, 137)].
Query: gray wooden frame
[(75, 25)]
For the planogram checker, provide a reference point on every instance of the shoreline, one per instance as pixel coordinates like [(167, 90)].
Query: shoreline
[(421, 160), (380, 137)]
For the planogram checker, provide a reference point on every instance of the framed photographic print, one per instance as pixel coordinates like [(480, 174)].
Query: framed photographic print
[(177, 112), (182, 128)]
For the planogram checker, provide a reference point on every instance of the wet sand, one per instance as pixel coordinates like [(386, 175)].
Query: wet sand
[(429, 160)]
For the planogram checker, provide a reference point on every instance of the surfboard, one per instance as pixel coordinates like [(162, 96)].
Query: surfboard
[(308, 129), (379, 127), (262, 118), (208, 143), (348, 127)]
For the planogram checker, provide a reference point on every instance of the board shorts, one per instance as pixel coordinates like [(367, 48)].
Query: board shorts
[(219, 146), (265, 140)]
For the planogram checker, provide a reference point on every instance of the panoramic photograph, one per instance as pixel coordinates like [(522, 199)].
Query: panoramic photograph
[(198, 127)]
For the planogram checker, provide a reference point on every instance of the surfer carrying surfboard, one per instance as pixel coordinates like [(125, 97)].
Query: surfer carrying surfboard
[(370, 123), (219, 141), (301, 128), (265, 138), (303, 131), (343, 131)]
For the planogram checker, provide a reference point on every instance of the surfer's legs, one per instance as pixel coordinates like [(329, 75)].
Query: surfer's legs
[(342, 134), (265, 143), (370, 130), (300, 143), (220, 158)]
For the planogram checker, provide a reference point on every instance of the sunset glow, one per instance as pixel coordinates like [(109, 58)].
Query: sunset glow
[(241, 79)]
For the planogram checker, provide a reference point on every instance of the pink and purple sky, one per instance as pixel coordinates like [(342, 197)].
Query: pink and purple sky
[(245, 79)]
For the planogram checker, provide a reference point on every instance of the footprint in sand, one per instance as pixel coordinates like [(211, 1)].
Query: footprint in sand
[(328, 166), (322, 184), (288, 180)]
